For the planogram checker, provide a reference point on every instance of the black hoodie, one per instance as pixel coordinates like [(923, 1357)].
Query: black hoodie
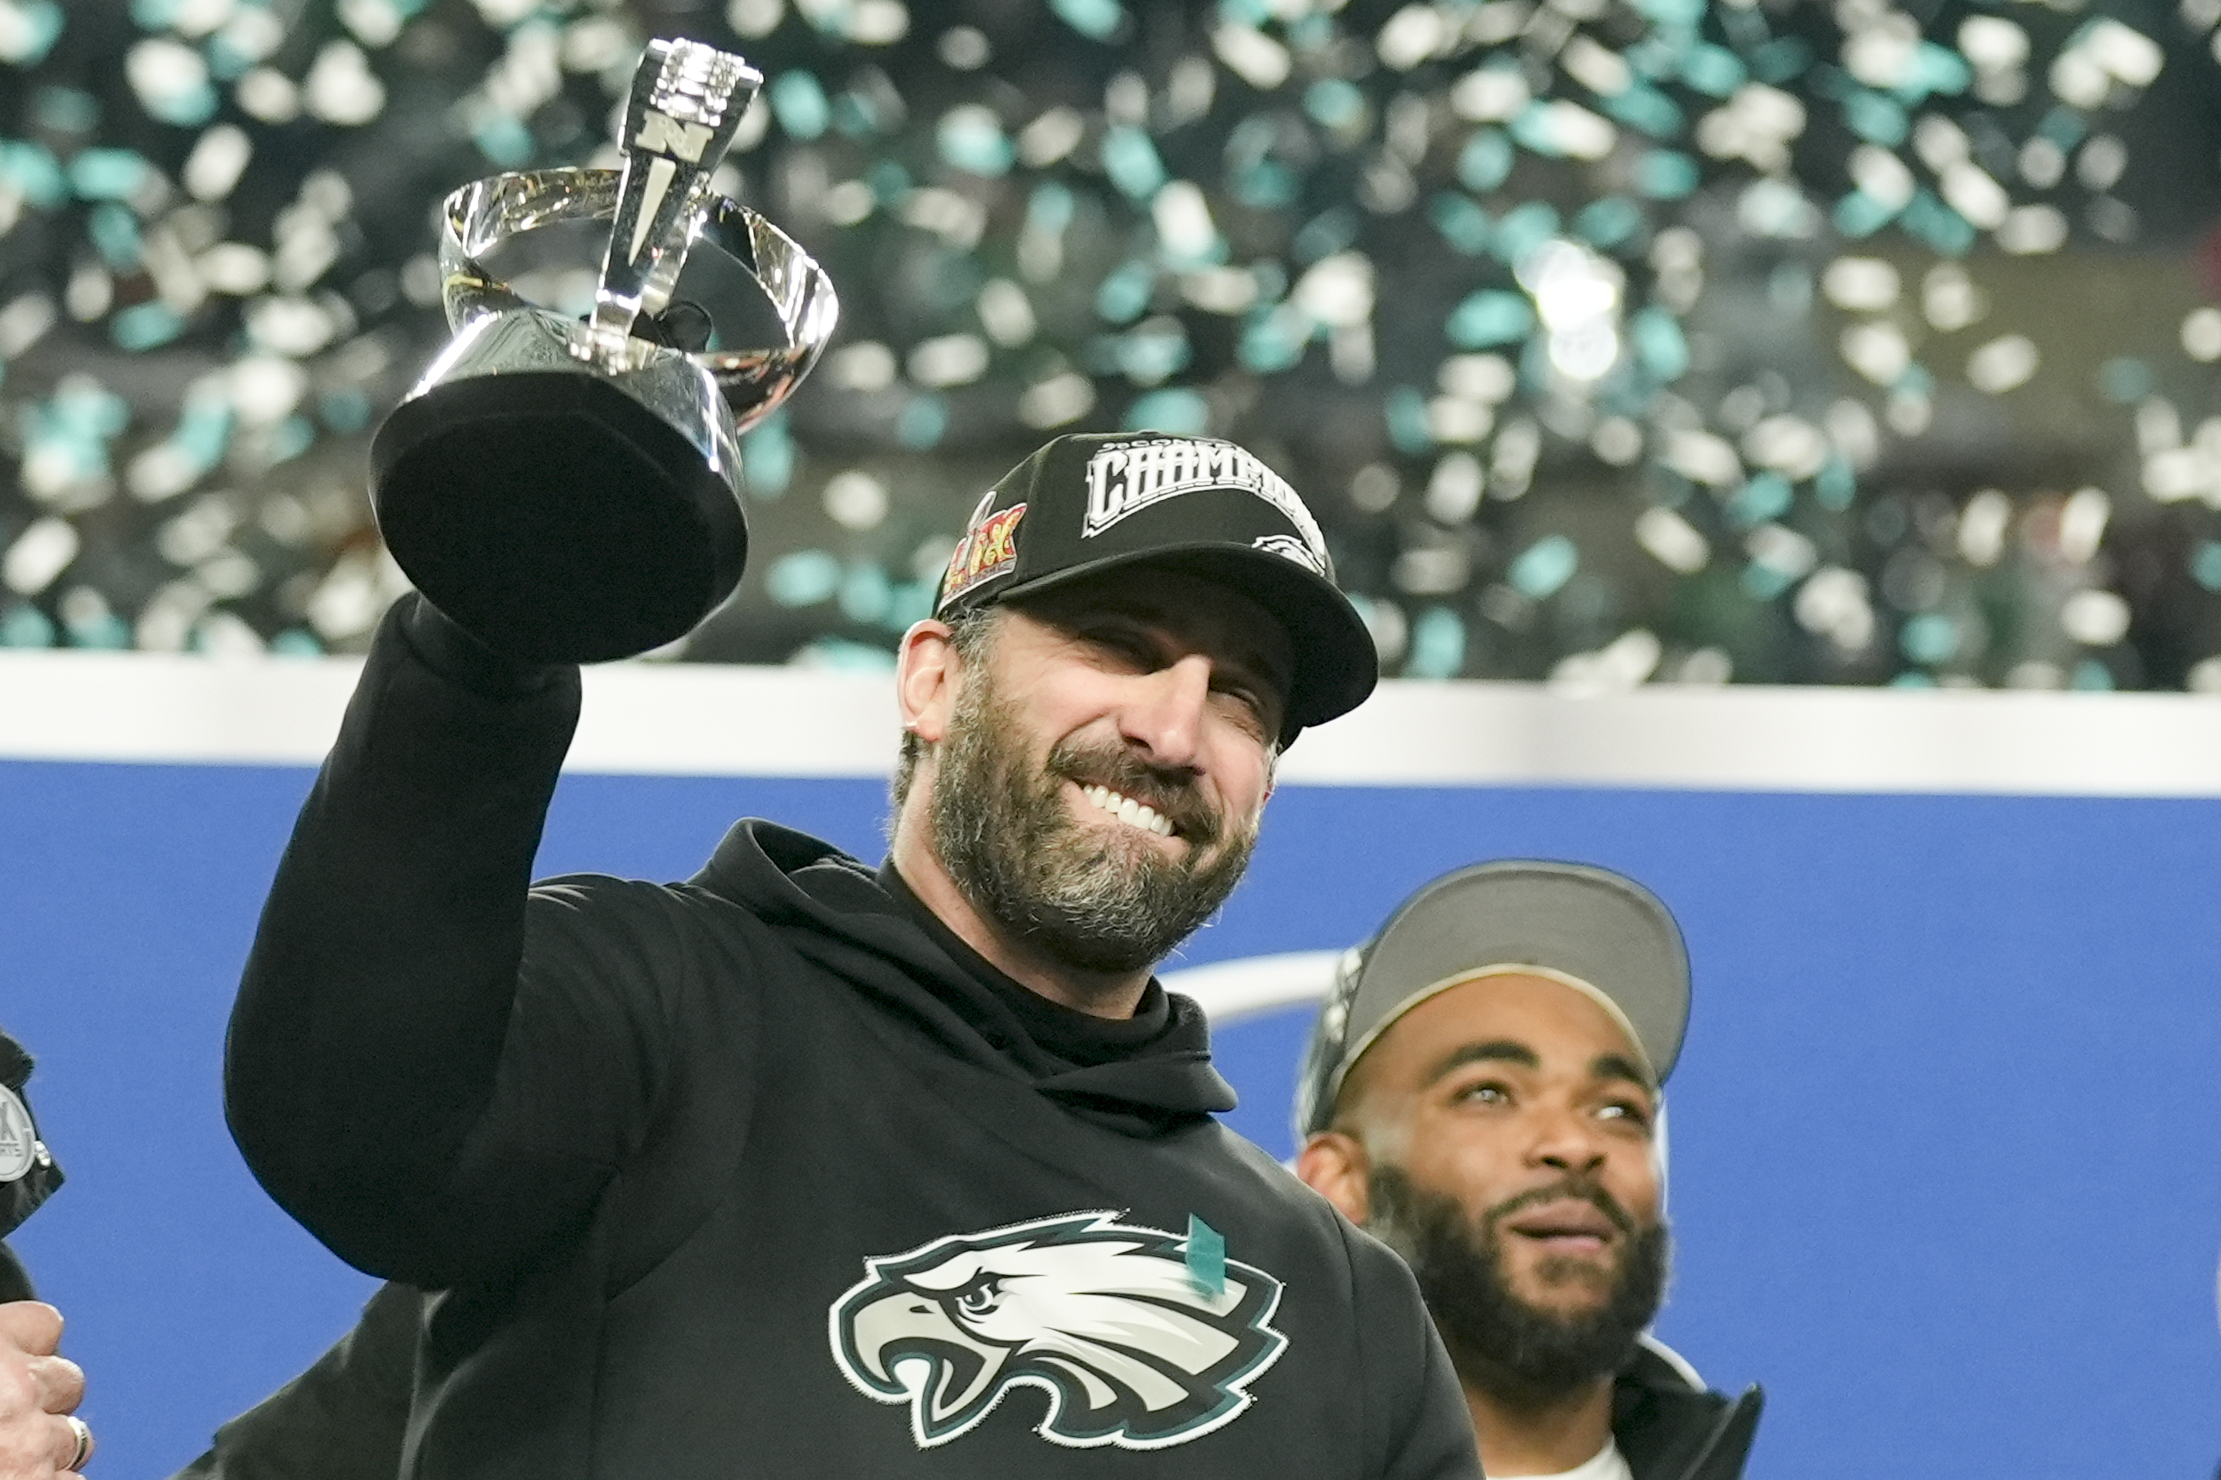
[(763, 1174)]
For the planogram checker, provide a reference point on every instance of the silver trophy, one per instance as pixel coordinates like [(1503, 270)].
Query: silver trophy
[(566, 489)]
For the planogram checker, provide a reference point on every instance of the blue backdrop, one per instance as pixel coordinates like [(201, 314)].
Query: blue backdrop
[(1945, 1174)]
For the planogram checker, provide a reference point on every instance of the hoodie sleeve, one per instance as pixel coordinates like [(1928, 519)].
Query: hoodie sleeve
[(342, 1419), (1415, 1409), (432, 1067)]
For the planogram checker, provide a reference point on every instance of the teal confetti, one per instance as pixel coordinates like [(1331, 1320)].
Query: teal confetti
[(34, 172), (803, 578), (1485, 162), (2125, 381), (923, 422), (1273, 339), (1766, 496), (1937, 224), (1544, 567), (768, 456), (25, 626), (1121, 296), (1334, 103), (1131, 162), (290, 438), (1155, 352), (1179, 411), (1206, 1250), (1935, 69), (970, 140), (909, 602), (1049, 209), (1859, 215), (1324, 234), (866, 594), (1608, 222), (1663, 174), (855, 116), (65, 109), (106, 632), (1713, 69), (798, 101), (1644, 108), (1490, 318), (1406, 413), (1462, 222), (2206, 565), (1437, 645), (145, 326), (2091, 676), (1780, 61), (1098, 20), (115, 231), (108, 174), (1930, 637), (2063, 126), (504, 140), (1876, 119), (1763, 582), (1523, 229), (1835, 485)]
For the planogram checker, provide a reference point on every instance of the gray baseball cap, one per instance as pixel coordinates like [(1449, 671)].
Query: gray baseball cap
[(1595, 929)]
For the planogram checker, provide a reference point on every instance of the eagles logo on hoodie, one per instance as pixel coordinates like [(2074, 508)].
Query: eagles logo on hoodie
[(1104, 1317)]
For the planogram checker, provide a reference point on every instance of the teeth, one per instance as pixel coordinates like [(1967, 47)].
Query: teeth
[(1128, 811)]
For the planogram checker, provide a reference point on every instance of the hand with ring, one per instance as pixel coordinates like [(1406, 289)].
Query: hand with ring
[(40, 1435)]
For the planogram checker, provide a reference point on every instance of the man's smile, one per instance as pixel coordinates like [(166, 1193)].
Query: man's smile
[(1129, 811)]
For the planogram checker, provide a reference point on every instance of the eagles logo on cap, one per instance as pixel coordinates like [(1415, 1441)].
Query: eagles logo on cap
[(988, 549)]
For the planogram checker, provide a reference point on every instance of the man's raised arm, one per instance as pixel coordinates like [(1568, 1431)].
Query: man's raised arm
[(364, 1053)]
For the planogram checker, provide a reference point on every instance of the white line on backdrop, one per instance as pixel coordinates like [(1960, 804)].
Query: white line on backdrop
[(685, 719)]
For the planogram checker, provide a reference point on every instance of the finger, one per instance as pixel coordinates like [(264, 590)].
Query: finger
[(74, 1445), (32, 1326), (60, 1383)]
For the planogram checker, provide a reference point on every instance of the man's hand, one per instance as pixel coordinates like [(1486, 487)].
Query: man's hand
[(37, 1390)]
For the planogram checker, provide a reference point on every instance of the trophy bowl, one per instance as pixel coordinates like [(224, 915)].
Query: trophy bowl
[(569, 489)]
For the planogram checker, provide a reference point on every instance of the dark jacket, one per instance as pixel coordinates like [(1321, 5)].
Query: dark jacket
[(1670, 1427), (345, 1418), (764, 1174), (28, 1171)]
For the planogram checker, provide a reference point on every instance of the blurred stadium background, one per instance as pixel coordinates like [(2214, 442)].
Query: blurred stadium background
[(1613, 342)]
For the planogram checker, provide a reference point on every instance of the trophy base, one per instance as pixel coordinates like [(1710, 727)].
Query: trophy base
[(554, 516)]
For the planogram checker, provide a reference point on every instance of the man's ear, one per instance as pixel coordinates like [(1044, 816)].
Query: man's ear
[(1335, 1165), (927, 673)]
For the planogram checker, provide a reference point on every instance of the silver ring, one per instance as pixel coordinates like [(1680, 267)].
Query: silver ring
[(84, 1434), (486, 213)]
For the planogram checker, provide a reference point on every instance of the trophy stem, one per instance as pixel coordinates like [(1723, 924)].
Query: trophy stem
[(686, 103)]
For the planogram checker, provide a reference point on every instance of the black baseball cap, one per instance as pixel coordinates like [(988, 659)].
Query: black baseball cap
[(1599, 932), (1093, 501)]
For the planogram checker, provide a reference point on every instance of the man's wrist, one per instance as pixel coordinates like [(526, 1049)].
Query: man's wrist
[(450, 649)]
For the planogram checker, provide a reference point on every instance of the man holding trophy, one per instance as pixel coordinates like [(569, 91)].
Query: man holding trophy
[(802, 1168)]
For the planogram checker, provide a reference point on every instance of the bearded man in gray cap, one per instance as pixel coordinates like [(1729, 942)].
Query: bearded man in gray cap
[(803, 1168), (1483, 1093)]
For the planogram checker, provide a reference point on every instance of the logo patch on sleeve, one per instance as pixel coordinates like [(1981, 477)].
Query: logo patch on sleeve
[(1106, 1318), (988, 549), (19, 1144)]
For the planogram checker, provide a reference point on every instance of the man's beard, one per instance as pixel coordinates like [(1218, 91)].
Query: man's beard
[(1500, 1343), (1084, 896)]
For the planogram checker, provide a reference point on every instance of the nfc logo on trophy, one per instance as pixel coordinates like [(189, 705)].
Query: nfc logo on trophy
[(990, 549), (666, 135)]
